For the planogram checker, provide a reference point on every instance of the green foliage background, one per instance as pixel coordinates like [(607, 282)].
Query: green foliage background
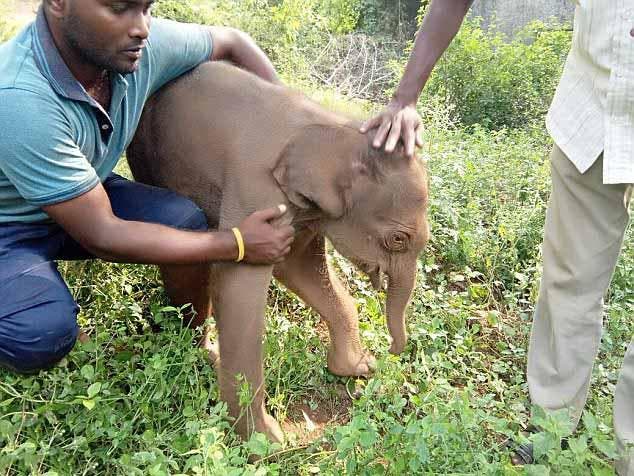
[(484, 78), (7, 27), (141, 399), (499, 83)]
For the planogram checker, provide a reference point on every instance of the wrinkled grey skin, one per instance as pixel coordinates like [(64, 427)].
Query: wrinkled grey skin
[(234, 144)]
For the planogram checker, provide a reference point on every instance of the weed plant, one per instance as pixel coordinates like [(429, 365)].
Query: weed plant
[(499, 82), (141, 399)]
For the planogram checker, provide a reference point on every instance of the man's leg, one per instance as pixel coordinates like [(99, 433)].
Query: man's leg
[(37, 313), (585, 225), (624, 415), (38, 324)]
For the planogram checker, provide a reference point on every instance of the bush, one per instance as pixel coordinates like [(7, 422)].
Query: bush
[(291, 32), (7, 28), (388, 18), (496, 83), (479, 181), (180, 10)]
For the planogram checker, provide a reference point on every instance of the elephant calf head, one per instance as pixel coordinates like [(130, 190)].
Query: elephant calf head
[(371, 205)]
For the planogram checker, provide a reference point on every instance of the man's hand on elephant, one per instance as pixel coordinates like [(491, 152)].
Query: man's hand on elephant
[(265, 243), (396, 122)]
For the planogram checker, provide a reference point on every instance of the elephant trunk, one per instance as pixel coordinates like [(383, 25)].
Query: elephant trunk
[(401, 284)]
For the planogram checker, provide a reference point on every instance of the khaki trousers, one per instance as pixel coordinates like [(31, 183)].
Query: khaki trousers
[(583, 236)]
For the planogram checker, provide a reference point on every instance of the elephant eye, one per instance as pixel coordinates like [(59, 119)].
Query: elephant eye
[(396, 241)]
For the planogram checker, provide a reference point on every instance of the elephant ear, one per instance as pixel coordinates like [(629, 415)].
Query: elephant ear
[(317, 166)]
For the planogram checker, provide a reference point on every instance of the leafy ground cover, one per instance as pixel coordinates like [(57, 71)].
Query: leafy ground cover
[(140, 399)]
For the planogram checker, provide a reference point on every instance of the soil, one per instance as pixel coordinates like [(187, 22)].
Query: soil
[(307, 425)]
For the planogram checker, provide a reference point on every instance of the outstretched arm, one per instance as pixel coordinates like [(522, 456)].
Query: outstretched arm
[(399, 119), (89, 219), (239, 48)]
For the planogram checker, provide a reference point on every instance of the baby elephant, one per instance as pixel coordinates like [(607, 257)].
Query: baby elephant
[(234, 144)]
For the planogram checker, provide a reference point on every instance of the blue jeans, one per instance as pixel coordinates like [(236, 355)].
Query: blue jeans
[(38, 316)]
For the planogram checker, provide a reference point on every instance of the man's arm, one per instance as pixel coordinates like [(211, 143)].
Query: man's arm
[(399, 118), (237, 47), (90, 221)]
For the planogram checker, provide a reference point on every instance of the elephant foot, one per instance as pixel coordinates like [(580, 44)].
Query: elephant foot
[(213, 351), (265, 424), (351, 364), (271, 428)]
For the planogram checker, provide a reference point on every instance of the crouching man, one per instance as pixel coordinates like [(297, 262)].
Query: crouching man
[(72, 89)]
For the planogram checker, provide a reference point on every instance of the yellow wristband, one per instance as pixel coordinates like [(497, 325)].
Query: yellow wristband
[(240, 241)]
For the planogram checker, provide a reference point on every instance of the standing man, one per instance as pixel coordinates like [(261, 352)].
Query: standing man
[(591, 121), (72, 88)]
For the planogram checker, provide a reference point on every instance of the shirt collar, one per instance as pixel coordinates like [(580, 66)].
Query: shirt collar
[(50, 62)]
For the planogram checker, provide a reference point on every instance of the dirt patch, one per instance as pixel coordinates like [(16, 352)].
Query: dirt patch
[(306, 422)]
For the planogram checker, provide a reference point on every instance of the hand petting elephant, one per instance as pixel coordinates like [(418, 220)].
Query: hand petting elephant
[(234, 143)]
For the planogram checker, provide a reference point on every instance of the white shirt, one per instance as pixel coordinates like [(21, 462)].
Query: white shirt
[(593, 108)]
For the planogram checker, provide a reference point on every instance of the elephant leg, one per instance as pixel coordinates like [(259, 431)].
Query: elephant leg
[(191, 284), (239, 298), (308, 274)]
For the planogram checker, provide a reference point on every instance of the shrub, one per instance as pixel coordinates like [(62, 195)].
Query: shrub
[(342, 15), (180, 10), (7, 28), (479, 182), (291, 32), (499, 84), (389, 18)]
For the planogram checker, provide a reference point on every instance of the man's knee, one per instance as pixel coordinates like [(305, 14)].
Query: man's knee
[(139, 202), (40, 335), (195, 219), (182, 213)]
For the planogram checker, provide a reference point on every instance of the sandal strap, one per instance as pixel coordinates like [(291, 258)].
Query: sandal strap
[(525, 453)]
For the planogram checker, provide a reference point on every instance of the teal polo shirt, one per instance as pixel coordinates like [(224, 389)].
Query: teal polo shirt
[(57, 142)]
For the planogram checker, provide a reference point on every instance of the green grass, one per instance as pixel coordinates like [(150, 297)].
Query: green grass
[(141, 399)]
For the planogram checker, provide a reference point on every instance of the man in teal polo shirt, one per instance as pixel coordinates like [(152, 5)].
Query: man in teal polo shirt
[(72, 89)]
